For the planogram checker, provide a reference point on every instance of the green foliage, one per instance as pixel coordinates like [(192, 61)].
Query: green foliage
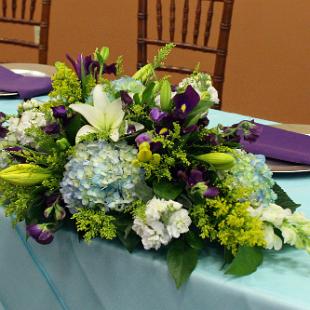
[(167, 190), (66, 85), (246, 261), (182, 260), (119, 66), (144, 192), (94, 224), (283, 199), (162, 54)]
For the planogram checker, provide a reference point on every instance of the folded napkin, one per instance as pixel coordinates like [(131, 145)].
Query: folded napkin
[(26, 86), (281, 144)]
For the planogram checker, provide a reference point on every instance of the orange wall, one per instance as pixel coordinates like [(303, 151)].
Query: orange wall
[(268, 65)]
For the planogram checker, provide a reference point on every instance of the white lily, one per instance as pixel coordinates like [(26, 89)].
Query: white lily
[(104, 116)]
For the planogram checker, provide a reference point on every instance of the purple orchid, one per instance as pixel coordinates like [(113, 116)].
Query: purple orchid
[(126, 99), (60, 112), (211, 192), (185, 102), (40, 233), (143, 137), (157, 115), (52, 129)]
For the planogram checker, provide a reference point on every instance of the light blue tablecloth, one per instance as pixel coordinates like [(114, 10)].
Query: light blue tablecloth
[(69, 274)]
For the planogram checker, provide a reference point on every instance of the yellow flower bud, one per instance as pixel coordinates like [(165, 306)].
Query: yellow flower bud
[(25, 174), (144, 145), (156, 158), (220, 161), (144, 155)]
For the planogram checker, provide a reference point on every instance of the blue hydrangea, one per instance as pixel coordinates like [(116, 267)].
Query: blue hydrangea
[(128, 84), (101, 174), (252, 173)]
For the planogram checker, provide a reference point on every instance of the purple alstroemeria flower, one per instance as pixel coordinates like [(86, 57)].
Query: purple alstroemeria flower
[(40, 233), (3, 132), (110, 69), (254, 133), (157, 115), (190, 129), (13, 149), (2, 116), (86, 64), (143, 137), (185, 102), (52, 129), (211, 192), (126, 99), (60, 112), (195, 176)]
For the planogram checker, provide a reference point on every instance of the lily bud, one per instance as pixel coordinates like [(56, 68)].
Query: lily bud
[(144, 73), (220, 161), (165, 96), (25, 174), (63, 143), (105, 53)]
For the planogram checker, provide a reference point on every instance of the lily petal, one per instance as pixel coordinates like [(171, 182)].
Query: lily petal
[(114, 114), (94, 116), (85, 130), (114, 134), (101, 100)]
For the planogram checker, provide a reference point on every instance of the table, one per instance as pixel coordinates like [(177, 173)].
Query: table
[(69, 274)]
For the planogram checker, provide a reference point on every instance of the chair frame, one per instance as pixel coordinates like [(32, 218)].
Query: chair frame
[(42, 46), (222, 45)]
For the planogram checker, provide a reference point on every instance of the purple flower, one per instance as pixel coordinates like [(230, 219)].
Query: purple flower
[(143, 137), (155, 147), (190, 129), (13, 149), (126, 98), (60, 112), (3, 132), (52, 129), (254, 132), (157, 115), (83, 66), (211, 192), (2, 116), (212, 139), (195, 176), (185, 102), (131, 129), (110, 69), (40, 233)]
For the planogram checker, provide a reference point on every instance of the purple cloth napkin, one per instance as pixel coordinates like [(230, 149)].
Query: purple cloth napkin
[(281, 144), (26, 86)]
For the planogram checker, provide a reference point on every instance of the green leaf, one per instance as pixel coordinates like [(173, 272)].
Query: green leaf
[(147, 96), (167, 190), (201, 108), (245, 262), (73, 127), (144, 192), (194, 241), (129, 239), (182, 260), (283, 199)]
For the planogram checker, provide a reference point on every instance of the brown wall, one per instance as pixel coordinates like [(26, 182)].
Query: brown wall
[(268, 65)]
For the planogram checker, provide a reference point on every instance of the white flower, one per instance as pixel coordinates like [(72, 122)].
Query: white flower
[(179, 223), (164, 220), (213, 94), (104, 116), (275, 214), (272, 240), (289, 235)]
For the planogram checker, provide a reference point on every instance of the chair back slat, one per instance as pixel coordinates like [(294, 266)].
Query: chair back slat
[(209, 23), (172, 19), (14, 6), (32, 8), (159, 19), (23, 9), (185, 20), (4, 6), (203, 8), (197, 21)]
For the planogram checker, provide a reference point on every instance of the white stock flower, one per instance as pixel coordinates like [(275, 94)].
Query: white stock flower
[(289, 235), (275, 214), (164, 220), (272, 240), (214, 96), (179, 223)]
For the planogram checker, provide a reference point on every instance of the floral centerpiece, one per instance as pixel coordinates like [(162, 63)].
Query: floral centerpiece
[(133, 158)]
